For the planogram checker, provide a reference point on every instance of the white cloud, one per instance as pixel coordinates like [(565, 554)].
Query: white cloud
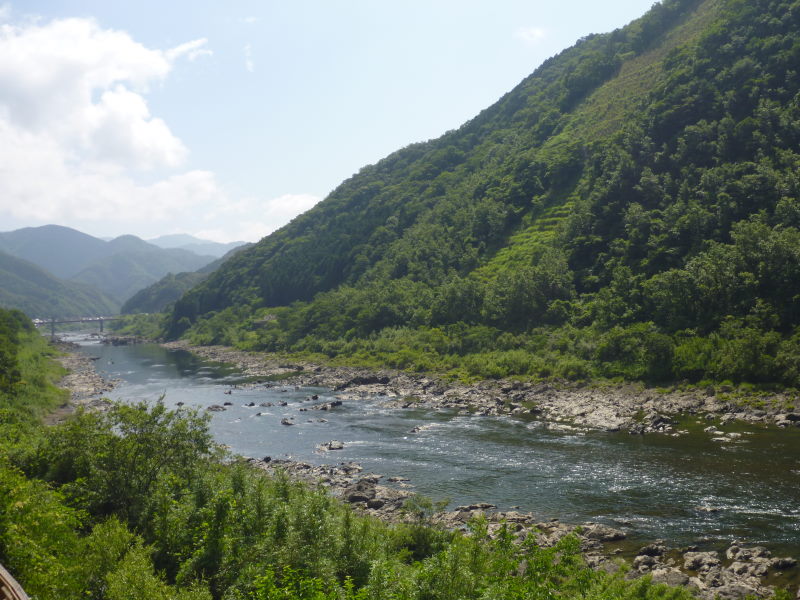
[(76, 132), (530, 35), (248, 58), (80, 147), (5, 12), (192, 50), (82, 87), (250, 20), (39, 183)]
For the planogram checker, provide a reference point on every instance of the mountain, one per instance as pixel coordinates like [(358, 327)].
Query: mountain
[(158, 296), (119, 267), (196, 245), (29, 288), (630, 210), (61, 250), (133, 264)]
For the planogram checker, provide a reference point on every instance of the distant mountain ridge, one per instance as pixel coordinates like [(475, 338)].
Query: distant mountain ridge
[(167, 290), (31, 289), (61, 250), (118, 268), (194, 244)]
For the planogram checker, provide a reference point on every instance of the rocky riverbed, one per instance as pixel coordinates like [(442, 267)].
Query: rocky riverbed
[(84, 384), (630, 407), (739, 572)]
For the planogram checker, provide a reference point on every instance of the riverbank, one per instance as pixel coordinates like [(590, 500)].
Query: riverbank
[(84, 384), (736, 573), (630, 407), (711, 573)]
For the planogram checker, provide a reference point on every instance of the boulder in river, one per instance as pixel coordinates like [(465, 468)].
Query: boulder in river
[(332, 445), (700, 561), (783, 563), (602, 533), (327, 405), (362, 491), (655, 549), (787, 420), (669, 576), (736, 552)]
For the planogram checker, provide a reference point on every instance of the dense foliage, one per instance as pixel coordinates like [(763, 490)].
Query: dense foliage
[(163, 293), (27, 287), (132, 264), (166, 291), (632, 209), (137, 503)]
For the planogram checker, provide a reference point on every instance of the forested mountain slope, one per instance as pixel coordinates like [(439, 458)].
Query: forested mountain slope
[(29, 288), (132, 264), (158, 296), (630, 209), (63, 251), (119, 267)]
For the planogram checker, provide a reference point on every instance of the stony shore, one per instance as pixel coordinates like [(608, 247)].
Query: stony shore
[(738, 572), (564, 405), (84, 384)]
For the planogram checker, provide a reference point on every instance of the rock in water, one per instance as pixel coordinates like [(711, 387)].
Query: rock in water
[(699, 561)]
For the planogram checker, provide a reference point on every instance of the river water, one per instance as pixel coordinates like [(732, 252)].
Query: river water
[(688, 490)]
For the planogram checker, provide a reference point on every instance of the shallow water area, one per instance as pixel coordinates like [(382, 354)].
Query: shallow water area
[(688, 490)]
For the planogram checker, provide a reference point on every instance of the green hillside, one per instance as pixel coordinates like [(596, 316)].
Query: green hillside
[(159, 295), (119, 268), (156, 297), (29, 288), (134, 264), (62, 251), (629, 210)]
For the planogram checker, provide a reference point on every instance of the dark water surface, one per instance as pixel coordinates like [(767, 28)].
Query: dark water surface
[(686, 490)]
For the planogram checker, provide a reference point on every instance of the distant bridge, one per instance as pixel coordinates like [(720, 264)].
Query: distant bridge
[(53, 322)]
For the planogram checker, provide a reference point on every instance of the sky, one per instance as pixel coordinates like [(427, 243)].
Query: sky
[(225, 120)]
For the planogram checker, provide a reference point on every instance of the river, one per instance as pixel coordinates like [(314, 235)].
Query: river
[(688, 490)]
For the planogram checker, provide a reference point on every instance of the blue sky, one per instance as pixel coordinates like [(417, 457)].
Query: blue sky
[(225, 120)]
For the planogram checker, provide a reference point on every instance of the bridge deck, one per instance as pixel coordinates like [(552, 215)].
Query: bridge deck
[(53, 322)]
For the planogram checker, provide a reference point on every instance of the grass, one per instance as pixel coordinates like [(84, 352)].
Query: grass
[(605, 111), (37, 393), (527, 243)]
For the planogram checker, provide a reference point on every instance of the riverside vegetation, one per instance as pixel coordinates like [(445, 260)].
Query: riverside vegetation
[(630, 211), (137, 502)]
